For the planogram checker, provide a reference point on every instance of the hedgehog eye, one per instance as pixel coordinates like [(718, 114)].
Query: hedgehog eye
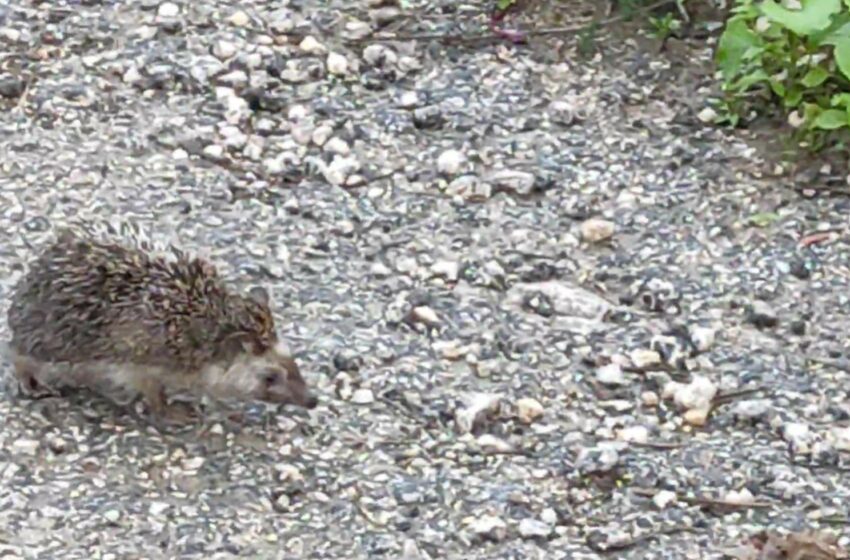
[(271, 378)]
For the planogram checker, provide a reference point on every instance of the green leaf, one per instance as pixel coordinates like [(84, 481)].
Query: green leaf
[(842, 56), (831, 119), (763, 219), (749, 80), (778, 87), (793, 97), (736, 40), (505, 4), (840, 100), (815, 77), (816, 15)]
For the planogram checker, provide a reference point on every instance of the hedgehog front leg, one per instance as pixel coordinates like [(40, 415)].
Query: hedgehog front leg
[(154, 396)]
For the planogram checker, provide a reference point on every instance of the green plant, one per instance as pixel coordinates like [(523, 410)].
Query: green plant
[(796, 53), (664, 26)]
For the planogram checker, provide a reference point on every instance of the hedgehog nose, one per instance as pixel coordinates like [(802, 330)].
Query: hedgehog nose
[(311, 402)]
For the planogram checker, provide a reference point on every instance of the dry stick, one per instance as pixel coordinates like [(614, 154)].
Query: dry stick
[(732, 395), (471, 38)]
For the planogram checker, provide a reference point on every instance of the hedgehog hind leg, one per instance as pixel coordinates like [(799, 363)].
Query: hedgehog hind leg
[(29, 374)]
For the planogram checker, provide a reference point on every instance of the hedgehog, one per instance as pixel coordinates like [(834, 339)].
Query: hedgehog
[(98, 309)]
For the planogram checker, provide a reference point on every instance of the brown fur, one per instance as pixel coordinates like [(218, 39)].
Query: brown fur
[(98, 309)]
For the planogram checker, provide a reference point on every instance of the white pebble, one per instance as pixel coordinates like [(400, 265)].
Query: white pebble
[(311, 45), (707, 115), (447, 269), (529, 410), (697, 394), (533, 528), (491, 444), (214, 151), (240, 19), (635, 434), (450, 162), (611, 374), (363, 396), (337, 145), (337, 64), (223, 49), (168, 10), (595, 230), (425, 314), (663, 498), (489, 526), (642, 357)]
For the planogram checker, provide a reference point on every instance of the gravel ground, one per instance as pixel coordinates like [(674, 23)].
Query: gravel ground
[(533, 291)]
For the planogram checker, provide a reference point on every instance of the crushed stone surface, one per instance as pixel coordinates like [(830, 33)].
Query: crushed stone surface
[(549, 312)]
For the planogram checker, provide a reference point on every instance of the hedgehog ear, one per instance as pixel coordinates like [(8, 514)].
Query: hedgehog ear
[(237, 343), (259, 295)]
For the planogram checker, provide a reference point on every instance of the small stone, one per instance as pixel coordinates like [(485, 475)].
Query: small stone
[(240, 19), (595, 230), (235, 79), (447, 269), (517, 182), (490, 444), (168, 10), (799, 437), (337, 64), (340, 169), (428, 117), (408, 100), (698, 394), (302, 133), (25, 446), (533, 528), (112, 516), (311, 45), (707, 115), (214, 151), (321, 134), (489, 527), (380, 269), (337, 145), (450, 162), (597, 460), (131, 76), (223, 50), (449, 349), (739, 498), (634, 434), (642, 358), (611, 374), (702, 337), (158, 508), (529, 410), (696, 416), (649, 398), (750, 409), (11, 87), (410, 550), (379, 56), (362, 396), (762, 315), (663, 498), (426, 315), (478, 406), (549, 516), (470, 187)]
